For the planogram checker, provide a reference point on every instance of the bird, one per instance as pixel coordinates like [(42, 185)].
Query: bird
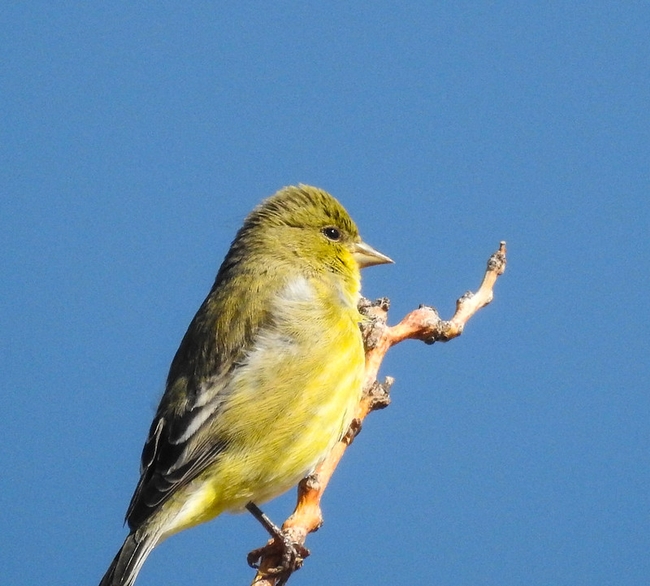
[(265, 380)]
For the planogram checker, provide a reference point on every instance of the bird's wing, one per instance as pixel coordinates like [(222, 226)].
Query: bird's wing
[(172, 457), (181, 442)]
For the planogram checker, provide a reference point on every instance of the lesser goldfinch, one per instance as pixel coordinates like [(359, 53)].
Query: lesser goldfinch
[(266, 378)]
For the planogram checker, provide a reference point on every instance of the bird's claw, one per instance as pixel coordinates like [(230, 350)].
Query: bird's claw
[(290, 554)]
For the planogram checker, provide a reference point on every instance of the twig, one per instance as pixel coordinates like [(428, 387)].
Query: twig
[(422, 324)]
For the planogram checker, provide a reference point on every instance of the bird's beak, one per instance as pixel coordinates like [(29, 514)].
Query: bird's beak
[(367, 256)]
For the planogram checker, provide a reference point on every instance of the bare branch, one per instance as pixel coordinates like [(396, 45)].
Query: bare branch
[(422, 324)]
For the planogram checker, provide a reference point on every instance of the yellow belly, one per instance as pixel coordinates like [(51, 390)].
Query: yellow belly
[(286, 407)]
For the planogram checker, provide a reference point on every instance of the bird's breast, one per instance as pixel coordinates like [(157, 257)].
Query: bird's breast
[(295, 394)]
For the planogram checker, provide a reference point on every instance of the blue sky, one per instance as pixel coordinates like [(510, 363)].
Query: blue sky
[(134, 140)]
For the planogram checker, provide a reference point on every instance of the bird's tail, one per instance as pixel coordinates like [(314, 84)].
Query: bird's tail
[(126, 565)]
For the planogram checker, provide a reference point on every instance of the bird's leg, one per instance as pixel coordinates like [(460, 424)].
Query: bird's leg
[(290, 552)]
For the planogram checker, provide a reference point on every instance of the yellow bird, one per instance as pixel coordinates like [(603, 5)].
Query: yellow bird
[(266, 378)]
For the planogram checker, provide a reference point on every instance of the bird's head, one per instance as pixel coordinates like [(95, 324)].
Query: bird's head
[(307, 223)]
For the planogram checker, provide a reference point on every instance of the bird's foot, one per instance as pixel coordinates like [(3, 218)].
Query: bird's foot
[(287, 554)]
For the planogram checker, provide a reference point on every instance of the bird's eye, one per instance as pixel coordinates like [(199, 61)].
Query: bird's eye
[(332, 233)]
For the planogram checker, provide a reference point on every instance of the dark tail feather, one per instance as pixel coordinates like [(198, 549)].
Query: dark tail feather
[(127, 563)]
